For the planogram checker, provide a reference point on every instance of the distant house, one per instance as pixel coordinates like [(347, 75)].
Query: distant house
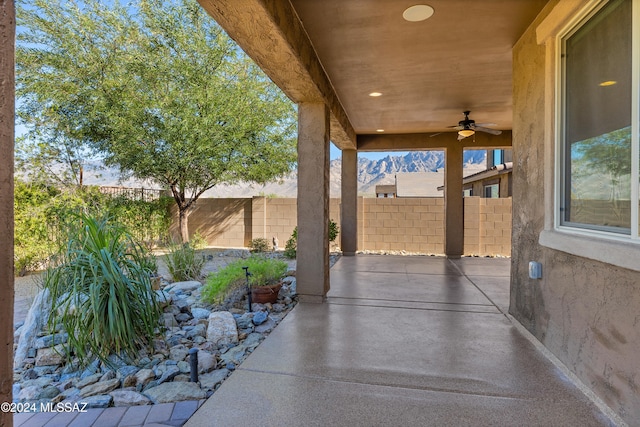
[(384, 191), (412, 184), (494, 182)]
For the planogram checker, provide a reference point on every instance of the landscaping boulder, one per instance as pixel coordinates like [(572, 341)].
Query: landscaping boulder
[(222, 329)]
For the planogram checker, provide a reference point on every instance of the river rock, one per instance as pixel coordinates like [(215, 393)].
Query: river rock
[(211, 380), (102, 401), (163, 298), (169, 320), (37, 317), (259, 318), (184, 367), (234, 355), (206, 361), (184, 286), (169, 374), (100, 388), (91, 379), (222, 329), (109, 375), (178, 352), (50, 356), (200, 313), (29, 393), (266, 326), (174, 392), (129, 398), (198, 330), (49, 392), (51, 340), (143, 376), (127, 370), (244, 321)]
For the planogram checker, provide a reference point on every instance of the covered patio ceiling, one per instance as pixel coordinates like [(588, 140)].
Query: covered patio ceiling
[(428, 72)]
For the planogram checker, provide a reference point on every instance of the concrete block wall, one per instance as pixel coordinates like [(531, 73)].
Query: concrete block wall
[(386, 224), (235, 222), (487, 226), (222, 222), (410, 224)]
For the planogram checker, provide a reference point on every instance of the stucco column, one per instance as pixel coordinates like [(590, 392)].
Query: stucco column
[(312, 267), (7, 96), (349, 203), (453, 202)]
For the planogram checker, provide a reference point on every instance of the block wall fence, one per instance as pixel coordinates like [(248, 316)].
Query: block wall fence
[(392, 224)]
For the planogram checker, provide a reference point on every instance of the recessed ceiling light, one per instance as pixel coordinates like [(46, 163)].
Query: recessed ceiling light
[(608, 83), (417, 13), (379, 130), (375, 94)]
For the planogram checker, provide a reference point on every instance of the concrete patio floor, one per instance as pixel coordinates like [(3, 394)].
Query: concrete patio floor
[(410, 341)]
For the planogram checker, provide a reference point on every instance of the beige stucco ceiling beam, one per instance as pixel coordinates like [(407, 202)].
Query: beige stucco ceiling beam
[(429, 141), (270, 32)]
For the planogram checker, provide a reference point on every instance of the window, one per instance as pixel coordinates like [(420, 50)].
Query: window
[(492, 191), (598, 179)]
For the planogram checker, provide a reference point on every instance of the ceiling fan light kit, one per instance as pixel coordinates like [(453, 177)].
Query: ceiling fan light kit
[(468, 127)]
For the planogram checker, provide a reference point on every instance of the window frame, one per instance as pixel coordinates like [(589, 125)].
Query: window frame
[(559, 141)]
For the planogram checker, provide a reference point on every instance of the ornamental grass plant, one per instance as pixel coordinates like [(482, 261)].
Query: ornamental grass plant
[(102, 292), (184, 262)]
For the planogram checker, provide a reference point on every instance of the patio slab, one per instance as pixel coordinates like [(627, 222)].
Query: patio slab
[(407, 348)]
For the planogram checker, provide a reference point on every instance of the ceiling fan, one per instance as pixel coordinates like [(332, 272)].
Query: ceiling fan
[(468, 127)]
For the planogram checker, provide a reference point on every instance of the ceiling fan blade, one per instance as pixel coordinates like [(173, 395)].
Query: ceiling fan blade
[(487, 130), (456, 127), (460, 137), (485, 124)]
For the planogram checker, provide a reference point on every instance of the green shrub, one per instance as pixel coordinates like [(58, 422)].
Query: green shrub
[(264, 271), (290, 249), (197, 241), (44, 215), (102, 292), (184, 263), (259, 245)]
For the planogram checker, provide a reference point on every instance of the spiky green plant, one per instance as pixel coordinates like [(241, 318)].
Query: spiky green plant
[(102, 292)]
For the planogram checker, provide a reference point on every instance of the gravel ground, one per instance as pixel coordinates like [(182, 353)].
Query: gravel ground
[(27, 287)]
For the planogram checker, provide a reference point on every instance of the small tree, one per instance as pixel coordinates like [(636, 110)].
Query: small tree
[(158, 89)]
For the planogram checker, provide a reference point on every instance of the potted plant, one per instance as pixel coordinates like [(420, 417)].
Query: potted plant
[(264, 279)]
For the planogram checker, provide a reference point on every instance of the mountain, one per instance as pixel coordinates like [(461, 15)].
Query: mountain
[(370, 174)]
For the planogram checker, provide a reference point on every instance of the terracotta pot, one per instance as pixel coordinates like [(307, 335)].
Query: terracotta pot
[(265, 294)]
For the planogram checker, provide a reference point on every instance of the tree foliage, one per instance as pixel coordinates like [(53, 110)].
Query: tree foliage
[(157, 88)]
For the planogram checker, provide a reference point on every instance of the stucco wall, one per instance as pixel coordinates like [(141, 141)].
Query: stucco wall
[(392, 224), (585, 312)]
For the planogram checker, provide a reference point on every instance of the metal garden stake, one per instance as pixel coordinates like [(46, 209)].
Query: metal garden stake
[(247, 274)]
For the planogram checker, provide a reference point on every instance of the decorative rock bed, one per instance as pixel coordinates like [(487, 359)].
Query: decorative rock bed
[(222, 335)]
